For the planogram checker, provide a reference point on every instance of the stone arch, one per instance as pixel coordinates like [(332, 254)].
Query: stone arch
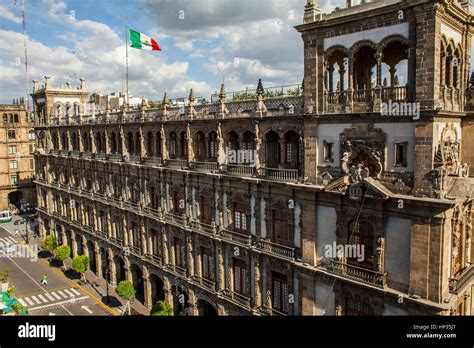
[(390, 39), (206, 307), (360, 44)]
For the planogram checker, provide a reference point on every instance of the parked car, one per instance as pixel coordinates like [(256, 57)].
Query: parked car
[(19, 222), (7, 248)]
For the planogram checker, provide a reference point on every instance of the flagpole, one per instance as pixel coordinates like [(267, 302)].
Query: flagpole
[(126, 63)]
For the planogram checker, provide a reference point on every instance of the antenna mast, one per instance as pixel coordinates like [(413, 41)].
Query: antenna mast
[(26, 54)]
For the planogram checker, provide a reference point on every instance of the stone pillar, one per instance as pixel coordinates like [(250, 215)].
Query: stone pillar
[(148, 293), (330, 71), (257, 282), (93, 147), (128, 271), (342, 71), (192, 302), (143, 234), (221, 269), (112, 269), (190, 249), (107, 142), (73, 244), (98, 261), (378, 57), (166, 258), (143, 152)]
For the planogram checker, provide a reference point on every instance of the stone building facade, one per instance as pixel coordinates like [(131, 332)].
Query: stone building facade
[(346, 205), (17, 162)]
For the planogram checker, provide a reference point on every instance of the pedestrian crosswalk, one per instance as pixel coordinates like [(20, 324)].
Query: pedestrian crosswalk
[(7, 240), (49, 297)]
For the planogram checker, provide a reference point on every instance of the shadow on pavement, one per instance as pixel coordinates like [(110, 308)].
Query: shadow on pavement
[(114, 302), (71, 274)]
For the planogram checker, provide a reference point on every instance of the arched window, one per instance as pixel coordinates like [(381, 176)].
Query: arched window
[(130, 143), (138, 143), (200, 146), (272, 153), (173, 145), (213, 145), (233, 142), (361, 234), (15, 118), (113, 143), (291, 149), (281, 230), (5, 118), (98, 142), (150, 144), (184, 144), (249, 141), (158, 143), (31, 134)]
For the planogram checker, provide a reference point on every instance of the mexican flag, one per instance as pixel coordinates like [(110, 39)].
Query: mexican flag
[(143, 42)]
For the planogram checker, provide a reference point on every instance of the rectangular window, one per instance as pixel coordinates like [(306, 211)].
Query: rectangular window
[(12, 149), (280, 229), (240, 221), (31, 135), (327, 151), (179, 253), (207, 264), (280, 293), (13, 164), (240, 277), (400, 155), (32, 164), (11, 134), (14, 180), (31, 148), (205, 211)]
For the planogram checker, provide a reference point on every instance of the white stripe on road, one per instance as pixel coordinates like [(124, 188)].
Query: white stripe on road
[(51, 298), (69, 293), (42, 298), (36, 299), (59, 303), (61, 293), (56, 295), (29, 301), (34, 281), (23, 303), (75, 291)]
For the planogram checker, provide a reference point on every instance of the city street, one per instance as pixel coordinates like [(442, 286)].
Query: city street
[(61, 296)]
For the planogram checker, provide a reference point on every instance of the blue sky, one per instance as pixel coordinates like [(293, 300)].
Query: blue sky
[(203, 42)]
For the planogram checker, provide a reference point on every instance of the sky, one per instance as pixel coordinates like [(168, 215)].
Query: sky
[(204, 42)]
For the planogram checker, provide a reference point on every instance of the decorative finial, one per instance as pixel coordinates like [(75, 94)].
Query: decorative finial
[(312, 11), (165, 100), (222, 94), (191, 96), (260, 90)]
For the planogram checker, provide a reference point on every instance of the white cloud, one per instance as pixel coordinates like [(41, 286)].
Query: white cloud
[(6, 13)]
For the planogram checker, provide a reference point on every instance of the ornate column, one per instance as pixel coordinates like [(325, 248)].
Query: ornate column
[(98, 260), (148, 292), (73, 244), (107, 142), (220, 262), (93, 148), (80, 145), (122, 141), (190, 250), (380, 253), (166, 258), (144, 238), (257, 282), (222, 97), (113, 270), (379, 57), (164, 150), (143, 152)]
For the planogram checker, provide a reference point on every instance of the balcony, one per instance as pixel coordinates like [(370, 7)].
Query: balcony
[(276, 249), (101, 156), (236, 238), (363, 100), (115, 157), (180, 271), (153, 161), (358, 273), (206, 167), (205, 283), (239, 170), (236, 298), (154, 259), (209, 230), (176, 163), (279, 174)]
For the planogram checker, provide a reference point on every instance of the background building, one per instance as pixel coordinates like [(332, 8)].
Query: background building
[(17, 146), (150, 196)]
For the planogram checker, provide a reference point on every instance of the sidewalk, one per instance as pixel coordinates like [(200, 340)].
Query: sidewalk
[(97, 287)]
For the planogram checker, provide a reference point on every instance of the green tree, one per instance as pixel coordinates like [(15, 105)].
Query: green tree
[(126, 291), (161, 309), (80, 264), (63, 253), (5, 273), (18, 307), (49, 243)]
